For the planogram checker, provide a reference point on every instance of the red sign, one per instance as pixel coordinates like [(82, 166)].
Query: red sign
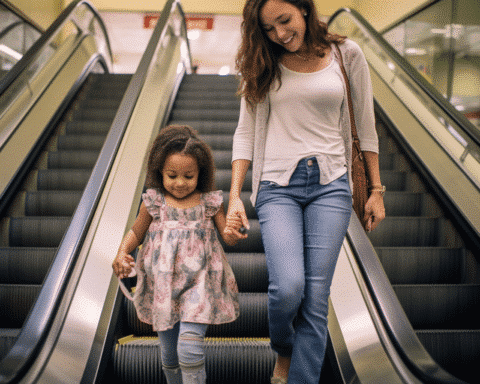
[(205, 23)]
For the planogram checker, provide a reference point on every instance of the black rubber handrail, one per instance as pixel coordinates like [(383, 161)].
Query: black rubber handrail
[(396, 323), (38, 323), (12, 8), (470, 130), (46, 39)]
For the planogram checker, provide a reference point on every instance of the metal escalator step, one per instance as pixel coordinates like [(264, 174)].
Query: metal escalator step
[(440, 306), (80, 142), (228, 361), (224, 176), (423, 265), (7, 338), (394, 180), (207, 104), (387, 145), (209, 115), (25, 265), (63, 179), (72, 159), (407, 232), (96, 114), (457, 351), (87, 127), (51, 203), (218, 142), (15, 303), (209, 127), (206, 94), (104, 103), (37, 231), (252, 322), (411, 204), (250, 271), (222, 158)]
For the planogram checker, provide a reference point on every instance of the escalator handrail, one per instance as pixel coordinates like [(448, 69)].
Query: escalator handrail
[(40, 318), (393, 316), (467, 127), (12, 8), (46, 39)]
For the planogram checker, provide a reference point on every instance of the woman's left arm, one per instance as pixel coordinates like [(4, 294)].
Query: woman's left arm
[(362, 95), (374, 209), (229, 237)]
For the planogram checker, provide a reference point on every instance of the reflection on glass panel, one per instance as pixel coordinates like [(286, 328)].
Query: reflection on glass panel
[(443, 43), (427, 44), (466, 70)]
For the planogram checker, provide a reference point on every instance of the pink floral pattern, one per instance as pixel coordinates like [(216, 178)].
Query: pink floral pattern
[(182, 272)]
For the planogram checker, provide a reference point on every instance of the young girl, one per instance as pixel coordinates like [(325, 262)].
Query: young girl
[(294, 128), (184, 282)]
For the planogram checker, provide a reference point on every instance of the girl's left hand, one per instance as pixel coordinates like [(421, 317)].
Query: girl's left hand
[(374, 211)]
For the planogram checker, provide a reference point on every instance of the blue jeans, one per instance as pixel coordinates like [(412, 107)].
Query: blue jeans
[(183, 345), (303, 226)]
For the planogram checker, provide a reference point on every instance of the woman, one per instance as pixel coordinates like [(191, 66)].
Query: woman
[(294, 126)]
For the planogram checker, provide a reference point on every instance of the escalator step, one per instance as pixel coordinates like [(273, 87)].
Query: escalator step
[(80, 142), (394, 180), (222, 158), (430, 265), (441, 306), (51, 203), (209, 127), (25, 265), (72, 159), (37, 231), (192, 94), (250, 270), (457, 351), (411, 204), (7, 338), (97, 114), (218, 142), (197, 103), (87, 127), (407, 232), (252, 321), (227, 361), (63, 179), (224, 176), (206, 115), (15, 303)]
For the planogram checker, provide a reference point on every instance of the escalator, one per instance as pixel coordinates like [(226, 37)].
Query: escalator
[(40, 213)]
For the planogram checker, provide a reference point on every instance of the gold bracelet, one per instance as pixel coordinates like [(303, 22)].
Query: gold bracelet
[(382, 189)]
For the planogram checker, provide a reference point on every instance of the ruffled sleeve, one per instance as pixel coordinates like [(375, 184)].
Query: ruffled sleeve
[(153, 200), (212, 200)]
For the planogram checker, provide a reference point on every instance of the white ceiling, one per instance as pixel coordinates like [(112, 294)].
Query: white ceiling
[(211, 51)]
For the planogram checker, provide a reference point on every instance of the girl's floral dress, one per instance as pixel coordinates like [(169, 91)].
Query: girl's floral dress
[(182, 272)]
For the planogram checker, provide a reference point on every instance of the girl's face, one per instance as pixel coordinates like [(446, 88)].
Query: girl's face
[(284, 24), (180, 175)]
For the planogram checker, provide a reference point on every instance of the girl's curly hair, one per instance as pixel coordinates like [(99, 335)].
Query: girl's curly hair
[(258, 57), (180, 139)]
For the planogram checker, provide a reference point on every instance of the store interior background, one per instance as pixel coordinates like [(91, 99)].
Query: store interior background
[(442, 41)]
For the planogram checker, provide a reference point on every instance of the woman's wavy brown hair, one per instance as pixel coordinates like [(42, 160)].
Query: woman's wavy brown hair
[(258, 57), (180, 139)]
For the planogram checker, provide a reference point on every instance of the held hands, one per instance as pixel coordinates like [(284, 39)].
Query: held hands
[(123, 265), (237, 222), (374, 211)]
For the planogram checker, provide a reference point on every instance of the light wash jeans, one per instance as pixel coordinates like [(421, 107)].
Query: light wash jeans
[(303, 226), (183, 346)]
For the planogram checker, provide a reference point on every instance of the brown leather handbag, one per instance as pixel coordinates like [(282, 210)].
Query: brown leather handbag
[(359, 175)]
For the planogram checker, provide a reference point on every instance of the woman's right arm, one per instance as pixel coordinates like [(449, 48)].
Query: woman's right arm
[(235, 205), (243, 142), (122, 265)]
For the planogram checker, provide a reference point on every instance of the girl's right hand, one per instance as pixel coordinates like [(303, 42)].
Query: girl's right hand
[(236, 212), (123, 264)]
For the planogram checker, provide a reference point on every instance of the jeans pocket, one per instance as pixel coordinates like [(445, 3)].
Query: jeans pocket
[(266, 184)]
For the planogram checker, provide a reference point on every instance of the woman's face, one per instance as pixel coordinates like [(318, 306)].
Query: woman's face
[(284, 24)]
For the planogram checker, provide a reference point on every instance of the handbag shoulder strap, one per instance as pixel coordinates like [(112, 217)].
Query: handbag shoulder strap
[(338, 54)]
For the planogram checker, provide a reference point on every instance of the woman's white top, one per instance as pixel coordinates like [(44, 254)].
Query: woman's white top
[(304, 122)]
